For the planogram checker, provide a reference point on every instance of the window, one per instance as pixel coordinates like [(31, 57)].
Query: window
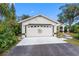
[(31, 26), (38, 26), (34, 26)]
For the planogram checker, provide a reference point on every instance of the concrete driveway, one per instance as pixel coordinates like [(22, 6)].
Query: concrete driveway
[(44, 46), (40, 40)]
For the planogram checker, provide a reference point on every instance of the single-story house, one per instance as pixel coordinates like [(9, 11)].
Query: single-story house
[(39, 26)]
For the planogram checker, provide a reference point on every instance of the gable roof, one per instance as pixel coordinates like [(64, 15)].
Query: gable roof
[(38, 16)]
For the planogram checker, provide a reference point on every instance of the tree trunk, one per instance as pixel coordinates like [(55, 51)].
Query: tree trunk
[(70, 22)]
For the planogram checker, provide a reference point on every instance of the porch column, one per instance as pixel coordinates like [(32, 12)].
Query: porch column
[(23, 31), (59, 28), (63, 28)]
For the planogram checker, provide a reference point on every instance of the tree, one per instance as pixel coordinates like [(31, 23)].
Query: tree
[(8, 27), (75, 28), (23, 17), (69, 12), (12, 9), (7, 11), (4, 11), (61, 18)]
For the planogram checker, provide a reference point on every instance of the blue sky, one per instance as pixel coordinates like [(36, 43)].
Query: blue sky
[(49, 9)]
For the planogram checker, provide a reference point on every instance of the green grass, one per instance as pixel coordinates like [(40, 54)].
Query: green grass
[(75, 35), (73, 41)]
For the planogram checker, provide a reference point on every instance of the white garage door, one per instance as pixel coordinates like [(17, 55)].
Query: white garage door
[(44, 30)]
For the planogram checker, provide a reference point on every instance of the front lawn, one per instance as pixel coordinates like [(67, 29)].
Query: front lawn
[(73, 41), (74, 35)]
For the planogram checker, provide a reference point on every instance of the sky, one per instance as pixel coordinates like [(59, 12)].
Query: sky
[(48, 9)]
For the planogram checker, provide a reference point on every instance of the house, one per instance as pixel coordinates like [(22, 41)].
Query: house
[(39, 26)]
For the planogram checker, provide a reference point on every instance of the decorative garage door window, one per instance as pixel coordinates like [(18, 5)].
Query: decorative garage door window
[(34, 26), (39, 30)]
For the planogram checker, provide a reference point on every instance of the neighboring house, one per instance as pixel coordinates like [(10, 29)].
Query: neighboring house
[(39, 26)]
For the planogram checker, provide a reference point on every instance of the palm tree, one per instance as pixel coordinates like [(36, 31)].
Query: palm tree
[(4, 11)]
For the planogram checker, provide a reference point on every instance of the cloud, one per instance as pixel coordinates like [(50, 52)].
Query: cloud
[(32, 11)]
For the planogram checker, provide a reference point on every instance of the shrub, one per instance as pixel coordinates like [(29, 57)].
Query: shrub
[(7, 37), (15, 27), (75, 28), (7, 40), (76, 35), (65, 29)]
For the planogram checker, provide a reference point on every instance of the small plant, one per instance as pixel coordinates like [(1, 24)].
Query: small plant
[(60, 34)]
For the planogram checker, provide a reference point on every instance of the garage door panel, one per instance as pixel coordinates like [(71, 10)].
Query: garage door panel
[(39, 31)]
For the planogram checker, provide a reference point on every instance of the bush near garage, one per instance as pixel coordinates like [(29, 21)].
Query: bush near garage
[(7, 37)]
